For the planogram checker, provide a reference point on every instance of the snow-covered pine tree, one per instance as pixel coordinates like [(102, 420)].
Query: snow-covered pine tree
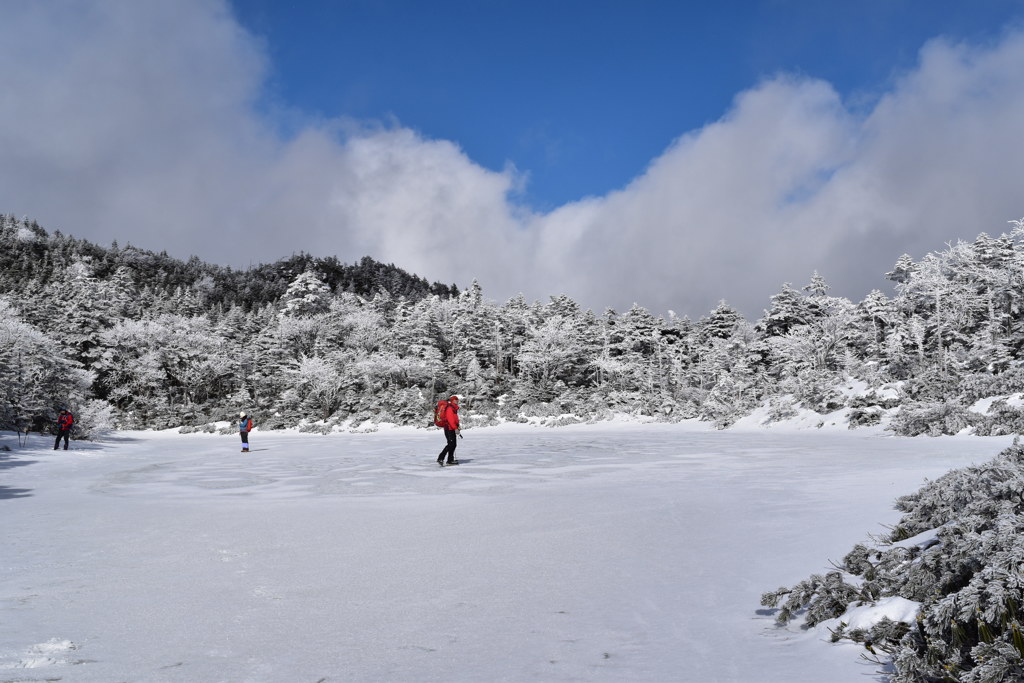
[(307, 295), (36, 376), (789, 308)]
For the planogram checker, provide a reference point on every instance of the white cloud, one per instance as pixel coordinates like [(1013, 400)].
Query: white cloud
[(790, 182), (139, 122), (711, 217)]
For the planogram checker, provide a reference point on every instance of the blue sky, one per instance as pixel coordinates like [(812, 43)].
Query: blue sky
[(669, 154), (582, 94)]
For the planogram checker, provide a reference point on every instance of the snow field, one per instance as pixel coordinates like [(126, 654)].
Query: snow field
[(603, 552)]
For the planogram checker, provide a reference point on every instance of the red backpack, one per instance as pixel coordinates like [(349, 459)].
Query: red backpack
[(440, 413)]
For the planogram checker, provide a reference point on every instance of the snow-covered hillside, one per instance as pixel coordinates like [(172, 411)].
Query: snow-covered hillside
[(600, 552)]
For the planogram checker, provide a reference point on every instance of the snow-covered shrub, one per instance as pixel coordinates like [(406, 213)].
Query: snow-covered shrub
[(688, 402), (94, 419), (287, 412), (864, 417), (816, 598), (982, 385), (572, 400), (780, 409), (208, 428), (480, 407), (607, 397), (816, 390), (932, 384), (318, 427), (720, 412), (873, 399), (723, 404), (933, 419), (523, 402), (476, 419), (601, 414), (273, 421), (541, 410), (510, 413), (405, 406), (152, 416), (957, 552), (884, 630), (1001, 418)]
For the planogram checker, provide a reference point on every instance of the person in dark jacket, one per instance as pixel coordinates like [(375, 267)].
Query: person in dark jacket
[(450, 424), (65, 421), (244, 427)]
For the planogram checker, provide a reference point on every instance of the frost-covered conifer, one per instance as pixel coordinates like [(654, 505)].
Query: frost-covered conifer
[(307, 295), (36, 376), (320, 383), (789, 308)]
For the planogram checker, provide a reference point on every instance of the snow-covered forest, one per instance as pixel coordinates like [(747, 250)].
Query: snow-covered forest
[(132, 339)]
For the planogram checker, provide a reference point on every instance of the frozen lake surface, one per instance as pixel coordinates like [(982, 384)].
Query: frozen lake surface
[(600, 553)]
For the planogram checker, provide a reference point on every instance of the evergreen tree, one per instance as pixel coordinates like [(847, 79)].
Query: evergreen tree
[(81, 308), (36, 377), (307, 295), (720, 323), (879, 315), (789, 308), (902, 271)]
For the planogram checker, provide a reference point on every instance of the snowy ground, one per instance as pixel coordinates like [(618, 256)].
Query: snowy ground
[(615, 552)]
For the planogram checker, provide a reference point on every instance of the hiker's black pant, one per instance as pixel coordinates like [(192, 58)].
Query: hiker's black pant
[(62, 434), (452, 436), (245, 438)]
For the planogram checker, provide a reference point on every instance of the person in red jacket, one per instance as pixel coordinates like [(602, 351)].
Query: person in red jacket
[(65, 421), (450, 423), (244, 427)]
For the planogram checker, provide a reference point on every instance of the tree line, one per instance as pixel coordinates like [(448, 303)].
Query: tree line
[(142, 340)]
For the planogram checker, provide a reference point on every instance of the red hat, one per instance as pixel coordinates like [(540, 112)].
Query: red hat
[(453, 397)]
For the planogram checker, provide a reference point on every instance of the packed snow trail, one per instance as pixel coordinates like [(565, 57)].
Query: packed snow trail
[(606, 552)]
